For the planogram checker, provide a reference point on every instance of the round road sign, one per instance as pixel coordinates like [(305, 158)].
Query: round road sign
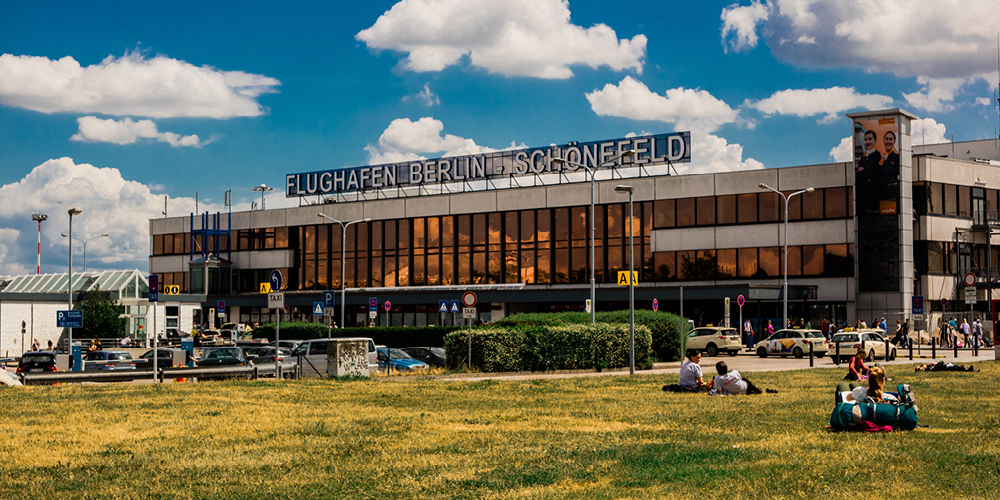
[(275, 280), (740, 301), (970, 279), (388, 305), (944, 301), (656, 305), (469, 299)]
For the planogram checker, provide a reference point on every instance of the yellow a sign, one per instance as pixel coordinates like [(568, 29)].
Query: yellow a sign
[(265, 288), (623, 278)]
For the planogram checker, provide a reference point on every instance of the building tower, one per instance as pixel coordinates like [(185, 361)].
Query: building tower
[(39, 217)]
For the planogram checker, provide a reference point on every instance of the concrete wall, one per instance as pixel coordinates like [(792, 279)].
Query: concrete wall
[(41, 324)]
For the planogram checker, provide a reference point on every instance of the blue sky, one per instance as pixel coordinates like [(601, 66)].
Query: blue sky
[(113, 105)]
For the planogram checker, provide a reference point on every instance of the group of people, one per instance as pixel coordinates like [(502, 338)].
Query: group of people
[(36, 347), (971, 334), (876, 175), (725, 383)]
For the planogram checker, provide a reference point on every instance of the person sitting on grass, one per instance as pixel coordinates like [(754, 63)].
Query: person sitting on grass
[(872, 392), (690, 377), (944, 366), (730, 383), (856, 369)]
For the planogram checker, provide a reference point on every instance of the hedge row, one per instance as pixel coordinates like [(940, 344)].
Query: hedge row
[(665, 327), (549, 347), (394, 336)]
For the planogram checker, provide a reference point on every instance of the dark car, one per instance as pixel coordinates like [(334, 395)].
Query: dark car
[(37, 362), (164, 358), (433, 356), (398, 360), (223, 356), (266, 354), (108, 361)]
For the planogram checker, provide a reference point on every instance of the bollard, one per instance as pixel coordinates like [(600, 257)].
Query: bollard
[(954, 346), (810, 354), (933, 349), (836, 359), (887, 351), (910, 345)]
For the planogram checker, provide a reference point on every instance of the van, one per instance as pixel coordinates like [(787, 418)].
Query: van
[(314, 354)]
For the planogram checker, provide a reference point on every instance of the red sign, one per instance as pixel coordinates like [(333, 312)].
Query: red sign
[(388, 305), (656, 305), (970, 279), (469, 299), (740, 301)]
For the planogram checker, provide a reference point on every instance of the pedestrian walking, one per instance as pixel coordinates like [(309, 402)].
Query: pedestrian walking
[(966, 332), (906, 333), (748, 334)]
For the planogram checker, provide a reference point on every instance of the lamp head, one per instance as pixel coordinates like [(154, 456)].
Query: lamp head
[(628, 154), (558, 160), (624, 189), (763, 186), (64, 235), (104, 235), (321, 215), (367, 219), (809, 190), (75, 211)]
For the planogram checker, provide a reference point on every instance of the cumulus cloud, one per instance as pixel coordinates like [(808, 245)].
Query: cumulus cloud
[(689, 109), (843, 151), (93, 129), (984, 101), (532, 38), (711, 153), (937, 92), (131, 85), (829, 102), (425, 96), (405, 140), (927, 131), (932, 38), (111, 204)]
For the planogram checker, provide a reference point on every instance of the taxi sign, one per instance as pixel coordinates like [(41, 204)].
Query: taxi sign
[(372, 304)]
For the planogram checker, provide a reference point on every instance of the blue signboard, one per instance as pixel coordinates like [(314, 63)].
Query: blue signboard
[(318, 308), (918, 304), (222, 307), (154, 287), (69, 319), (328, 298), (372, 304), (275, 280), (455, 307), (443, 306)]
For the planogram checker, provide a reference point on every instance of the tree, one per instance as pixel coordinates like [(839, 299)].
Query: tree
[(102, 316)]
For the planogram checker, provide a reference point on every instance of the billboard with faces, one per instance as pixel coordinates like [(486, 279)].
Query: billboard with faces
[(876, 202)]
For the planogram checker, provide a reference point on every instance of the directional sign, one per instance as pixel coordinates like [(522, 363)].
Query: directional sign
[(69, 319), (469, 299), (469, 313), (455, 307), (275, 280), (372, 304), (318, 308), (741, 300), (970, 295), (623, 278), (222, 307), (265, 288), (443, 306), (154, 287), (918, 304), (656, 305), (276, 300), (388, 305), (172, 290), (329, 299)]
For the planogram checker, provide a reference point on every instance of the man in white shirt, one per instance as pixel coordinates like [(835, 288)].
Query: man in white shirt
[(730, 383)]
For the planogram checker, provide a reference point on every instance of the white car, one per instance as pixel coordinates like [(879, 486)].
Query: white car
[(795, 342), (713, 339), (873, 342)]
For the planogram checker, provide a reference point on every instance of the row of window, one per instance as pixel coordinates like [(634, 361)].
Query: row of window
[(950, 199), (828, 261), (751, 208), (947, 257)]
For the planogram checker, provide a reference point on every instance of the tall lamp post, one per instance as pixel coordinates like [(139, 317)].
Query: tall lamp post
[(784, 292), (39, 218), (593, 224), (263, 188), (72, 212), (631, 278), (343, 254), (85, 241)]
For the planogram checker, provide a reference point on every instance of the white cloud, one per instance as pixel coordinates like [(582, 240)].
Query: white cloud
[(131, 85), (126, 131), (806, 39), (937, 91), (843, 151), (927, 131), (739, 25), (984, 101), (9, 249), (425, 96), (830, 102), (405, 140), (689, 109), (934, 38), (710, 153), (514, 38)]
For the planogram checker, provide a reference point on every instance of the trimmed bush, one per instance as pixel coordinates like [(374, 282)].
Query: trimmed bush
[(394, 336), (549, 347), (665, 327)]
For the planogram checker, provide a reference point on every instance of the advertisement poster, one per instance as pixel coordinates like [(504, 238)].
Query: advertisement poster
[(876, 188)]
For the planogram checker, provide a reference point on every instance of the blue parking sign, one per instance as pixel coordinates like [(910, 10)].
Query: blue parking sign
[(329, 298), (443, 306)]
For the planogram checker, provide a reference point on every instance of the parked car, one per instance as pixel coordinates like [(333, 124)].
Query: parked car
[(229, 331), (164, 358), (266, 355), (712, 340), (873, 342), (37, 362), (795, 342), (314, 355), (208, 338), (222, 356), (397, 359), (108, 361), (433, 356), (287, 344)]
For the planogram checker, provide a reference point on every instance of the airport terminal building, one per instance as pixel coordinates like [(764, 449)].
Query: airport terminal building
[(514, 226)]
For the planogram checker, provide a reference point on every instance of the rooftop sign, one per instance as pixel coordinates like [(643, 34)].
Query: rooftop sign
[(659, 149)]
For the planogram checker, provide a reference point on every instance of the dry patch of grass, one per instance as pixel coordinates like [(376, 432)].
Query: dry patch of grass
[(592, 437)]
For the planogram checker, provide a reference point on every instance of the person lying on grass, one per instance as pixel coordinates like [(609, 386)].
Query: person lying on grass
[(943, 366), (856, 369), (730, 383)]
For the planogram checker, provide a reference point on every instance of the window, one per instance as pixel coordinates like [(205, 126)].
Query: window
[(665, 216), (157, 245), (747, 208), (836, 203), (812, 260), (964, 201), (950, 200), (794, 206), (706, 210), (685, 212), (747, 258), (769, 262), (935, 204), (769, 206), (727, 263), (812, 205), (664, 264), (726, 209)]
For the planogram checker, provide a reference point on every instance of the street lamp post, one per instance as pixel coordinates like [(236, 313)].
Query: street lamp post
[(72, 212), (263, 188), (784, 292), (631, 278), (85, 241), (593, 224), (343, 254)]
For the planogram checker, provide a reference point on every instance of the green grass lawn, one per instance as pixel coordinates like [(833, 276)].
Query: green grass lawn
[(587, 437)]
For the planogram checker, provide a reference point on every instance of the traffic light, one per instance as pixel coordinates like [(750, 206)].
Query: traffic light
[(24, 327)]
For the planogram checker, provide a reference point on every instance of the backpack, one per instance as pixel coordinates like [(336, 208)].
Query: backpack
[(901, 415)]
